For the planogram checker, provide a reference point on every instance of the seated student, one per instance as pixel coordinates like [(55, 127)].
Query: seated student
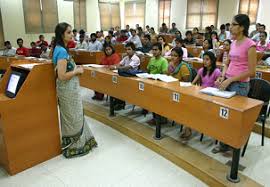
[(195, 33), (22, 51), (262, 45), (255, 31), (35, 51), (207, 46), (163, 29), (207, 34), (111, 58), (107, 41), (41, 41), (208, 74), (165, 46), (153, 35), (52, 43), (123, 37), (179, 44), (146, 44), (130, 62), (157, 65), (9, 50), (177, 35), (215, 40), (140, 32), (76, 35), (100, 38), (45, 52), (256, 37), (178, 68), (71, 44), (147, 29), (173, 30), (134, 38), (228, 32), (265, 60), (223, 35), (116, 33), (94, 45), (82, 44), (189, 40), (112, 38), (223, 57)]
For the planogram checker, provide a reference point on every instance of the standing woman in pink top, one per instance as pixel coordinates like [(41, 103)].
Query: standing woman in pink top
[(240, 65)]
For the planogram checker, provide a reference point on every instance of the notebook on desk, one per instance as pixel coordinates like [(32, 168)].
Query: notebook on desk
[(217, 92), (161, 77)]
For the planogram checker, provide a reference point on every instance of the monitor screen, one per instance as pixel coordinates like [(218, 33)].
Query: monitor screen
[(16, 80)]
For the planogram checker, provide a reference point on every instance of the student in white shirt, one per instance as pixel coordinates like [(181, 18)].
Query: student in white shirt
[(112, 38), (75, 34), (134, 38), (94, 44), (9, 50), (81, 44), (256, 37), (45, 52), (131, 61)]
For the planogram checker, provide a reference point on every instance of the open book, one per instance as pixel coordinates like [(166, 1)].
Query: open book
[(28, 66), (217, 92), (94, 65), (161, 77)]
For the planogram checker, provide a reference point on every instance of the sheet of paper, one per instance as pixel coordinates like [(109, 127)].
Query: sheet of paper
[(94, 65), (217, 92), (28, 66), (185, 84)]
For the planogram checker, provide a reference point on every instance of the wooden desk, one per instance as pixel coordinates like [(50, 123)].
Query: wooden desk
[(29, 128), (195, 51), (86, 57), (119, 48), (211, 112)]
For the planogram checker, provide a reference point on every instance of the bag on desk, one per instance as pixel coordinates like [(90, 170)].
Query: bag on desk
[(129, 73)]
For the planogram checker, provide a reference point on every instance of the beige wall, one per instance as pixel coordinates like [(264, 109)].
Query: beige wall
[(13, 20)]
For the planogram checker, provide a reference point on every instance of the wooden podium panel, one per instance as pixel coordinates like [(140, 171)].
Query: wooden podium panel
[(29, 126), (86, 57)]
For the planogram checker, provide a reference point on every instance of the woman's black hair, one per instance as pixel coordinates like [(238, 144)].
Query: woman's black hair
[(222, 27), (188, 32), (213, 60), (214, 32), (228, 40), (244, 21), (265, 33), (110, 46), (165, 43), (210, 43), (179, 52), (59, 32), (180, 40)]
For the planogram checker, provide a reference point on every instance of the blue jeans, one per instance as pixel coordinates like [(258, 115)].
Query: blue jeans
[(241, 88)]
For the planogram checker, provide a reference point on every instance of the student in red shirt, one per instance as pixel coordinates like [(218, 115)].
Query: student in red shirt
[(111, 58), (35, 51), (122, 38), (23, 51), (71, 44), (41, 41)]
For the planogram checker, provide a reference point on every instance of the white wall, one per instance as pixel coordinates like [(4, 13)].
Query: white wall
[(13, 20)]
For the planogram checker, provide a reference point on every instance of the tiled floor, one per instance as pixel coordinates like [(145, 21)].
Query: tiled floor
[(256, 159), (118, 161)]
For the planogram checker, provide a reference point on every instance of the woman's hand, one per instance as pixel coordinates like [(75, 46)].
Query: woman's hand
[(223, 85), (79, 70), (219, 81)]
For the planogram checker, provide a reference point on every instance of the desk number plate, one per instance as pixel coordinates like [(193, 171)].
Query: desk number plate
[(258, 75), (93, 74), (141, 86), (224, 113), (176, 97), (114, 79)]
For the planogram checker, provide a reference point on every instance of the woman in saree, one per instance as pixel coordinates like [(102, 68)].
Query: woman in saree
[(77, 138)]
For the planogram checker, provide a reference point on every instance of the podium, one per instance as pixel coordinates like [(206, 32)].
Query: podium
[(29, 126), (86, 57)]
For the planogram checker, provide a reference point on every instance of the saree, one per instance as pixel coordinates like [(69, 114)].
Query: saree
[(77, 138)]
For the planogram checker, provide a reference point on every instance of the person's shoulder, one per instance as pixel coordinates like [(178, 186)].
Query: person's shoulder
[(249, 42), (163, 59)]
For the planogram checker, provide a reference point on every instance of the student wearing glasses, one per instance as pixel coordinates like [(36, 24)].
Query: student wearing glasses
[(240, 65)]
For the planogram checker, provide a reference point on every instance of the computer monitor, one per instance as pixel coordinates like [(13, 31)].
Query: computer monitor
[(15, 82)]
